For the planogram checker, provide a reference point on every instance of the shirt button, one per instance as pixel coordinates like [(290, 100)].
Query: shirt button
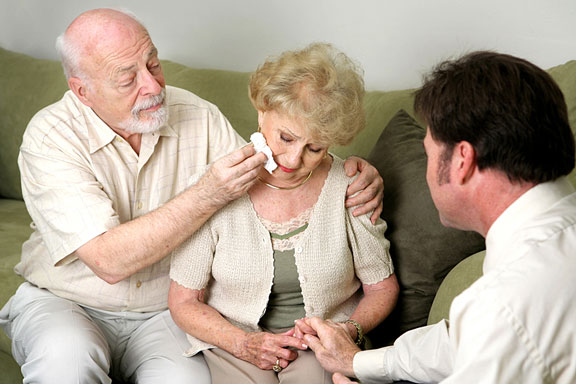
[(298, 249), (118, 139), (138, 284), (139, 205)]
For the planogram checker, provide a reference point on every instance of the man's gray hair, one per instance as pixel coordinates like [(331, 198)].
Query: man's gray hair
[(70, 52)]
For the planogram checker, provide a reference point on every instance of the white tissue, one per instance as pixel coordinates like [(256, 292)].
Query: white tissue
[(260, 145)]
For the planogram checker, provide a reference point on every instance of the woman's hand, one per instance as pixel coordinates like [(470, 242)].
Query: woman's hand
[(263, 349), (370, 186)]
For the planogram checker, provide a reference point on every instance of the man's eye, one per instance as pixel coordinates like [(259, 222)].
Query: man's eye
[(127, 83)]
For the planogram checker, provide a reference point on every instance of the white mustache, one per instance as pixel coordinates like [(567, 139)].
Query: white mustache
[(150, 102)]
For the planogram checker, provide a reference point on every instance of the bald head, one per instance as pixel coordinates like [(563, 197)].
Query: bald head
[(92, 36)]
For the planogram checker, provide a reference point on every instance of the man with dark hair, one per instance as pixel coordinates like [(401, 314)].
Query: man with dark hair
[(499, 145)]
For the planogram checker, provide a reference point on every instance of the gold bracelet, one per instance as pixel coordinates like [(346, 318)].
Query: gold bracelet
[(359, 333)]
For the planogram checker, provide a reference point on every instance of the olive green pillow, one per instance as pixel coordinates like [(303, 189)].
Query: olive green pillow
[(423, 250)]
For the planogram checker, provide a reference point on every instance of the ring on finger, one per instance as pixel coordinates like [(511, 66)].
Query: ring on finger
[(276, 367)]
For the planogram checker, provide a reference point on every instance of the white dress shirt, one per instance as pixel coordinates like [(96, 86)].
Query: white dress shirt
[(517, 323)]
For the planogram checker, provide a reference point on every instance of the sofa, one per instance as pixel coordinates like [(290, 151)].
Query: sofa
[(433, 263)]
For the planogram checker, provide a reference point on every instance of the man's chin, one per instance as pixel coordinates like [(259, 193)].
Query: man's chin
[(146, 124)]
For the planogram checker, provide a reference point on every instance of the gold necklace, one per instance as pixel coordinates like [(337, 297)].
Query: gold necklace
[(286, 188)]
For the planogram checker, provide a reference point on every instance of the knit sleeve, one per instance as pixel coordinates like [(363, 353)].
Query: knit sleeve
[(370, 249), (191, 264)]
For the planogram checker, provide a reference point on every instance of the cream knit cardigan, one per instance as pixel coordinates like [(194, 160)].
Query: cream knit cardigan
[(232, 257)]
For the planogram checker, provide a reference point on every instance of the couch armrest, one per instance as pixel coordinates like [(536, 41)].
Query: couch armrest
[(458, 279)]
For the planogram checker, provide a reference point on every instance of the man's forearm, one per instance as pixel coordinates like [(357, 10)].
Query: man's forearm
[(129, 247)]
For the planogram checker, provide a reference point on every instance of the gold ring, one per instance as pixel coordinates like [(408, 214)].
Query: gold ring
[(276, 367)]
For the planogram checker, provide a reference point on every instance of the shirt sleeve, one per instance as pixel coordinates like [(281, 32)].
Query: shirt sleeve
[(65, 200), (372, 261), (191, 263), (223, 139), (423, 355)]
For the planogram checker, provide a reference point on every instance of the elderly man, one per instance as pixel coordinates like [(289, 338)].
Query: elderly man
[(498, 145), (105, 175)]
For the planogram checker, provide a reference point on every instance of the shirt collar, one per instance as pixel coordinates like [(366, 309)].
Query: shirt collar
[(531, 204), (100, 134)]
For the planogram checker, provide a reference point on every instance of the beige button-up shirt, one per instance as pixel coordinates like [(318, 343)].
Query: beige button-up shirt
[(79, 179)]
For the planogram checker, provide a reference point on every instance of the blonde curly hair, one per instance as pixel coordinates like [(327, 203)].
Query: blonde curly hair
[(319, 86)]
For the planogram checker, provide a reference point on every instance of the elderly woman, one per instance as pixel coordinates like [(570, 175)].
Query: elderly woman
[(288, 249)]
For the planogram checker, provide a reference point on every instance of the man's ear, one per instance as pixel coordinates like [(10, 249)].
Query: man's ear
[(465, 164), (78, 86)]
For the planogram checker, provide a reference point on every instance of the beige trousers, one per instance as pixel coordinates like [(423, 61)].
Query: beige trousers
[(226, 369)]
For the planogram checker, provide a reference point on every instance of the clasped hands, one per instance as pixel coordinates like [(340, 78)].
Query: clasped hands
[(333, 344)]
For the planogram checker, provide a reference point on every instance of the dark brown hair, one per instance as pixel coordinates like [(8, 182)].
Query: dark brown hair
[(511, 111)]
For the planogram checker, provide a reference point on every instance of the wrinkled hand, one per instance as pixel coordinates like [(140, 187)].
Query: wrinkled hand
[(232, 175), (332, 344), (370, 185), (263, 349), (302, 328)]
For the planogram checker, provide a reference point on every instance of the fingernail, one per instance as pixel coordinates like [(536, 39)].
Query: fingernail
[(304, 346)]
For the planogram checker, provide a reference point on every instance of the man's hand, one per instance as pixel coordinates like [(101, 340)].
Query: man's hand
[(232, 175), (332, 345), (370, 185)]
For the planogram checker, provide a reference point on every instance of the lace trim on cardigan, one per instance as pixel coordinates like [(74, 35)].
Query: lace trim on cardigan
[(282, 242)]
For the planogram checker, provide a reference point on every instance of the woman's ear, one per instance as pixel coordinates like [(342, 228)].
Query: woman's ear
[(260, 120)]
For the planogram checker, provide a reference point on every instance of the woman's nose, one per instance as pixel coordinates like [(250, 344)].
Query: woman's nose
[(294, 158)]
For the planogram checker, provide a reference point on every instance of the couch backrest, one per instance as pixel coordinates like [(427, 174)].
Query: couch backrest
[(28, 84)]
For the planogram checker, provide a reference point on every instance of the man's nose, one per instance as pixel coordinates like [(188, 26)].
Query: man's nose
[(149, 84)]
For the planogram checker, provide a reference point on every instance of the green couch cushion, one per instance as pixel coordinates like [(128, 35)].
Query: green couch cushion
[(565, 76), (460, 277), (226, 89), (26, 86), (423, 250), (14, 230)]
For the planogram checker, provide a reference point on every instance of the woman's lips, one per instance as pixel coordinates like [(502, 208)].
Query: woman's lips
[(287, 170)]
